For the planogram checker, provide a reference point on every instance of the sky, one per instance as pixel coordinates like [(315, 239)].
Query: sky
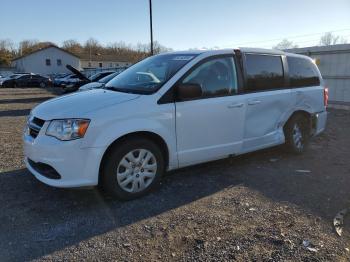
[(178, 24)]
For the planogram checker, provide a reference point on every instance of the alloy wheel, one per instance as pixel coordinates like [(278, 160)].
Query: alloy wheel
[(298, 137), (136, 170)]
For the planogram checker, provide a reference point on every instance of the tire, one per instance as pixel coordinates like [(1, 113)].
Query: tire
[(42, 85), (297, 134), (122, 173)]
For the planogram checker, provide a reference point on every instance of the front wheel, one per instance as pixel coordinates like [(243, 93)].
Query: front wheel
[(297, 134), (132, 169)]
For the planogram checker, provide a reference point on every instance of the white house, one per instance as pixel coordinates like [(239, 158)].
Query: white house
[(107, 61), (46, 61)]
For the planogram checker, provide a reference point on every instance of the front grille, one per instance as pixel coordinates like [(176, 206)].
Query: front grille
[(34, 125)]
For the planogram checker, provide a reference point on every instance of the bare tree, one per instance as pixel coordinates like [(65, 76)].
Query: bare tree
[(92, 45), (331, 39), (7, 52), (72, 46), (28, 46), (285, 44), (121, 50)]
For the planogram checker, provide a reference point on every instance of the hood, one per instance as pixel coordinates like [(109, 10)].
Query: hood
[(92, 85), (76, 105), (77, 72)]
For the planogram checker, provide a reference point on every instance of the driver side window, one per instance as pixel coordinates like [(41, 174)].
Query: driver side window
[(217, 77)]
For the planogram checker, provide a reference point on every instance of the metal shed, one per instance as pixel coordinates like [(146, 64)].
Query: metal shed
[(334, 64)]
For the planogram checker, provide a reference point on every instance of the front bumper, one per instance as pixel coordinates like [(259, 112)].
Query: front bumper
[(76, 166)]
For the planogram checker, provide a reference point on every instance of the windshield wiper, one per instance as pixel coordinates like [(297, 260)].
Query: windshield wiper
[(119, 89)]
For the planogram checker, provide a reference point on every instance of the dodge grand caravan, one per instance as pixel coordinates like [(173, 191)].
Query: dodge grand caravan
[(174, 110)]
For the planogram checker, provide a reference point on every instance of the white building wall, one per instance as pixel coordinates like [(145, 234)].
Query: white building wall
[(105, 64), (335, 69), (36, 62)]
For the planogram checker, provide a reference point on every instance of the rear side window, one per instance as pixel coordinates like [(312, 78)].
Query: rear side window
[(264, 72), (302, 72)]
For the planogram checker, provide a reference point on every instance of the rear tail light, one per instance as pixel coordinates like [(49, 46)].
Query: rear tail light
[(325, 96)]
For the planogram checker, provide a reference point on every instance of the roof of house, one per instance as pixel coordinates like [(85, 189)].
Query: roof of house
[(44, 48)]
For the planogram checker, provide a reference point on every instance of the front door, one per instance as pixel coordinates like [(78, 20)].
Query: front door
[(211, 126)]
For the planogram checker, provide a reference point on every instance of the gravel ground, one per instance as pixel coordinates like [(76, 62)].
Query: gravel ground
[(256, 207)]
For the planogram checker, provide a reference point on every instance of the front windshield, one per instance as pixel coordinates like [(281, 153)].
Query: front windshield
[(150, 74)]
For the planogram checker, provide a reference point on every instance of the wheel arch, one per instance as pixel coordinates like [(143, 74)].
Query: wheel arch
[(307, 115), (157, 139)]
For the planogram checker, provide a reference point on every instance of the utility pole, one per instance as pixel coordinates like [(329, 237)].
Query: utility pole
[(150, 23)]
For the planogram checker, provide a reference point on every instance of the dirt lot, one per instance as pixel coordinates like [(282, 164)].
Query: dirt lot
[(255, 207)]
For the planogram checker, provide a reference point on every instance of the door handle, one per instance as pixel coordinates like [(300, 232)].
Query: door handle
[(254, 102), (235, 105)]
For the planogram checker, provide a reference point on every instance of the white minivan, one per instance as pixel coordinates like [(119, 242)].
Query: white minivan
[(174, 110)]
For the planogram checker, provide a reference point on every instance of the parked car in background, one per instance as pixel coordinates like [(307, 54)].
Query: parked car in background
[(13, 76), (63, 80), (175, 110), (57, 77), (100, 83), (71, 86), (26, 80)]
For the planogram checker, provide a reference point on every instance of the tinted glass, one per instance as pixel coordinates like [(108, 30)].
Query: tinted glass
[(217, 77), (264, 72), (302, 72), (150, 74)]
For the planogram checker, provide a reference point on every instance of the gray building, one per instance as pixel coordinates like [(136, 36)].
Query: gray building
[(46, 61), (334, 64), (53, 60)]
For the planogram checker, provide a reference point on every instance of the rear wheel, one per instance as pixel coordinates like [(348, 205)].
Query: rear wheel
[(132, 169), (297, 134)]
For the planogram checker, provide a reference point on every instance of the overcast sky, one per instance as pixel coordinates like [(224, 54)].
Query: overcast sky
[(180, 24)]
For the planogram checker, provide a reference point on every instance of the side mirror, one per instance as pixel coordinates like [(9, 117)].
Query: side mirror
[(188, 91)]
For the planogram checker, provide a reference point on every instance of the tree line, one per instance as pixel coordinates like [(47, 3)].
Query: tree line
[(327, 39), (126, 52)]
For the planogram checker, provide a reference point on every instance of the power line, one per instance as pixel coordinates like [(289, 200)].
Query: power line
[(305, 41), (150, 24)]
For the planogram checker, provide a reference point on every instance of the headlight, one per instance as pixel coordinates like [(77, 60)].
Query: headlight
[(68, 129)]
